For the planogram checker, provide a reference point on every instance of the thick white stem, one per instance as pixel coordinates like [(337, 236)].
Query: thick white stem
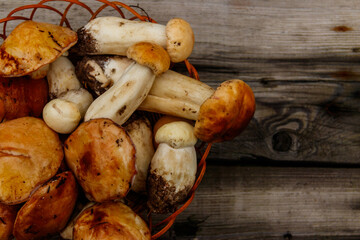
[(177, 95), (124, 97), (113, 35)]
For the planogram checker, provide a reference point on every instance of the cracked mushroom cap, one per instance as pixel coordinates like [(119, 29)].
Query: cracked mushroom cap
[(226, 113), (151, 55), (32, 45), (180, 39)]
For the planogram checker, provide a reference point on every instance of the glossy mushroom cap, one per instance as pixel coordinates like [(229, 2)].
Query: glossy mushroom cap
[(151, 55), (180, 39), (48, 209), (226, 113), (110, 220), (32, 45)]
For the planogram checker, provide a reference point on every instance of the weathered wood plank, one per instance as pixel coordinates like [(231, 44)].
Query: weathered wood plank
[(235, 202)]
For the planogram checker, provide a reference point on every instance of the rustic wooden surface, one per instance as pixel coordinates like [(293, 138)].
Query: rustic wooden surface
[(293, 173)]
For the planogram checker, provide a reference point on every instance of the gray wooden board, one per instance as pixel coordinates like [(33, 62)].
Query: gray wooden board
[(301, 58), (247, 202)]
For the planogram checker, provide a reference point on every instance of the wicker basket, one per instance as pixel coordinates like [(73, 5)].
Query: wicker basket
[(123, 10)]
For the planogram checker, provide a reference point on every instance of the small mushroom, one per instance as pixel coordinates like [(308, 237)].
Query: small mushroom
[(114, 35), (110, 220), (125, 96), (227, 111), (139, 129), (173, 167), (32, 45)]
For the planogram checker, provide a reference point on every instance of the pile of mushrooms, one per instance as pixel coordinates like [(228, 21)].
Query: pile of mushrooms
[(96, 107)]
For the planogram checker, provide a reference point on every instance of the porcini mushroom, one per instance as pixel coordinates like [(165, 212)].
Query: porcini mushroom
[(173, 167), (124, 97), (114, 35), (102, 156), (227, 111), (110, 220), (32, 45), (48, 209)]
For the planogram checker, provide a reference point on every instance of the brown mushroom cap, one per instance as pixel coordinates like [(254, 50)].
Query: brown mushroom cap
[(30, 154), (180, 39), (48, 209), (151, 55), (32, 45), (110, 220), (102, 156), (226, 113)]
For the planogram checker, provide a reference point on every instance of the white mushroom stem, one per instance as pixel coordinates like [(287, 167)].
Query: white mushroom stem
[(177, 95), (114, 35), (171, 177), (124, 97), (61, 77)]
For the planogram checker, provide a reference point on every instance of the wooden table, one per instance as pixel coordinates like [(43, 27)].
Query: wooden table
[(294, 172)]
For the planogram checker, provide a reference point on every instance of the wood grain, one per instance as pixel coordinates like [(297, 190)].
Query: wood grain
[(239, 202)]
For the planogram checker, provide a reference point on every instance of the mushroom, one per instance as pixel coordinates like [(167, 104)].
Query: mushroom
[(114, 35), (20, 53), (48, 209), (110, 220), (173, 167), (139, 129), (30, 154), (64, 114), (102, 156), (220, 115), (124, 97), (70, 102)]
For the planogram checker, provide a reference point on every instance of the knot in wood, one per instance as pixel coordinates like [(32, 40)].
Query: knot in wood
[(281, 141)]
